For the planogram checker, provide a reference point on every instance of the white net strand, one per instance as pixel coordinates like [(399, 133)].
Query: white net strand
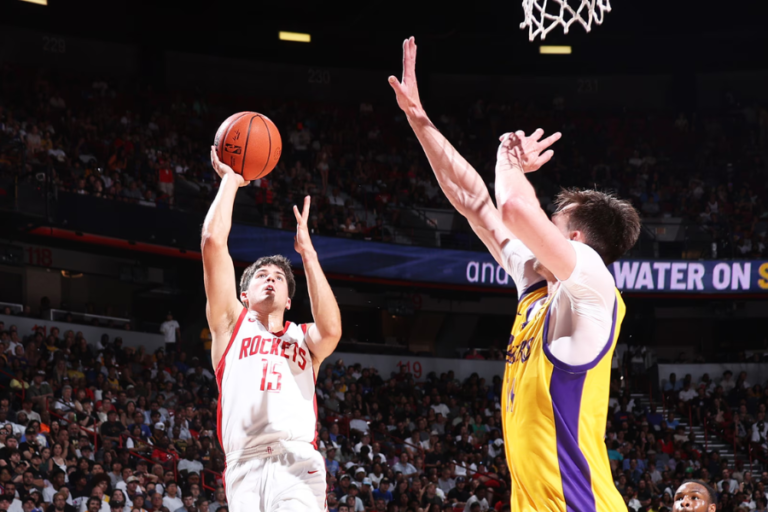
[(540, 22)]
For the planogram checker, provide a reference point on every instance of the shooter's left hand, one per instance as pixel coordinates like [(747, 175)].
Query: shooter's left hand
[(302, 242)]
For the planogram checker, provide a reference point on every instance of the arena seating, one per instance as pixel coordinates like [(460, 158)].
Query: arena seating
[(115, 421), (361, 163), (105, 414)]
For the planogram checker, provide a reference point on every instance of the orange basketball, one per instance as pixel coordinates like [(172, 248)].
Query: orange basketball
[(249, 143)]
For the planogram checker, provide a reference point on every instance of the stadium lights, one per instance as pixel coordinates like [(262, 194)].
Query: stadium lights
[(296, 37), (554, 50), (38, 2)]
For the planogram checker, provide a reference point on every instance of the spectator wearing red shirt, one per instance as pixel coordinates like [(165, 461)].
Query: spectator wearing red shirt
[(472, 354), (165, 454), (667, 445), (165, 178)]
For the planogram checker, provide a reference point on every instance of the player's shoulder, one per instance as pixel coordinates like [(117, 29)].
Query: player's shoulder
[(589, 263), (585, 251)]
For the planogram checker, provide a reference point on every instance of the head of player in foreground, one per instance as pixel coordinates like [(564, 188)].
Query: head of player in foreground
[(607, 224), (268, 285), (695, 496)]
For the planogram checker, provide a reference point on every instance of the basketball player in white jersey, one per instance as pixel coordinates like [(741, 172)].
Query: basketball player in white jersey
[(266, 369)]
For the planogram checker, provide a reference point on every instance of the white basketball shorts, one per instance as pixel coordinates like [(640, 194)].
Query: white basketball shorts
[(277, 481)]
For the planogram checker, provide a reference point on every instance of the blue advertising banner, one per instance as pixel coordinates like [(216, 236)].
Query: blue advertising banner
[(360, 258), (374, 259)]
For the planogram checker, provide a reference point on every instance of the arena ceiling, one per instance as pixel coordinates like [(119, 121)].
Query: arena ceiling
[(475, 36)]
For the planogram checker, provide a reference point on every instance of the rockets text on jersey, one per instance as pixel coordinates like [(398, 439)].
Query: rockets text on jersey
[(267, 389)]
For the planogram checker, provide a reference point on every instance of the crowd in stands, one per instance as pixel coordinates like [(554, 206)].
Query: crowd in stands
[(102, 426), (362, 165), (733, 407), (656, 451), (99, 420)]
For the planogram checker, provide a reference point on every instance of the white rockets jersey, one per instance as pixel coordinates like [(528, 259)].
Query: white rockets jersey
[(266, 389)]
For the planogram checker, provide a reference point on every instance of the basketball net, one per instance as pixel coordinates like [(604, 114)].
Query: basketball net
[(540, 20)]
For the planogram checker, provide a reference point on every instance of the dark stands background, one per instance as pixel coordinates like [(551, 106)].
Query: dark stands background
[(655, 104)]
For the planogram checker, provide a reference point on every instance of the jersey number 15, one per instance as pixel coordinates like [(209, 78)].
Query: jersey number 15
[(270, 377)]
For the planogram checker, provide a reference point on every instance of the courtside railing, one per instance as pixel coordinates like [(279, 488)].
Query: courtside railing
[(18, 308), (216, 477), (61, 314)]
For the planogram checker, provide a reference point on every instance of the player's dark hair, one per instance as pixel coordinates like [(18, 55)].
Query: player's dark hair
[(277, 260), (610, 225), (710, 490)]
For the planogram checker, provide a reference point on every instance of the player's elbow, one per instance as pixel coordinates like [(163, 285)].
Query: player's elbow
[(210, 241), (514, 210), (331, 334)]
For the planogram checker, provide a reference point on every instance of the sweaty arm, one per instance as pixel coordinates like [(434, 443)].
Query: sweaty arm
[(223, 306), (582, 308), (461, 184), (324, 334), (467, 192), (520, 208)]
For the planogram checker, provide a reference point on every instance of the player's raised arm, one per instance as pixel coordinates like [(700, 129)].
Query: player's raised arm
[(521, 210), (223, 306), (460, 182), (325, 333)]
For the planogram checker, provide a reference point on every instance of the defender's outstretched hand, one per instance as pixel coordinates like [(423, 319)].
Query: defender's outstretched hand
[(223, 169), (407, 91), (524, 153), (302, 243)]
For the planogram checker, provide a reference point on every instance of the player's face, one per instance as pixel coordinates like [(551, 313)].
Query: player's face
[(269, 287), (692, 497)]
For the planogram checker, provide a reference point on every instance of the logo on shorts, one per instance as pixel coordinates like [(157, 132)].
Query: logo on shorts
[(313, 472), (269, 450)]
